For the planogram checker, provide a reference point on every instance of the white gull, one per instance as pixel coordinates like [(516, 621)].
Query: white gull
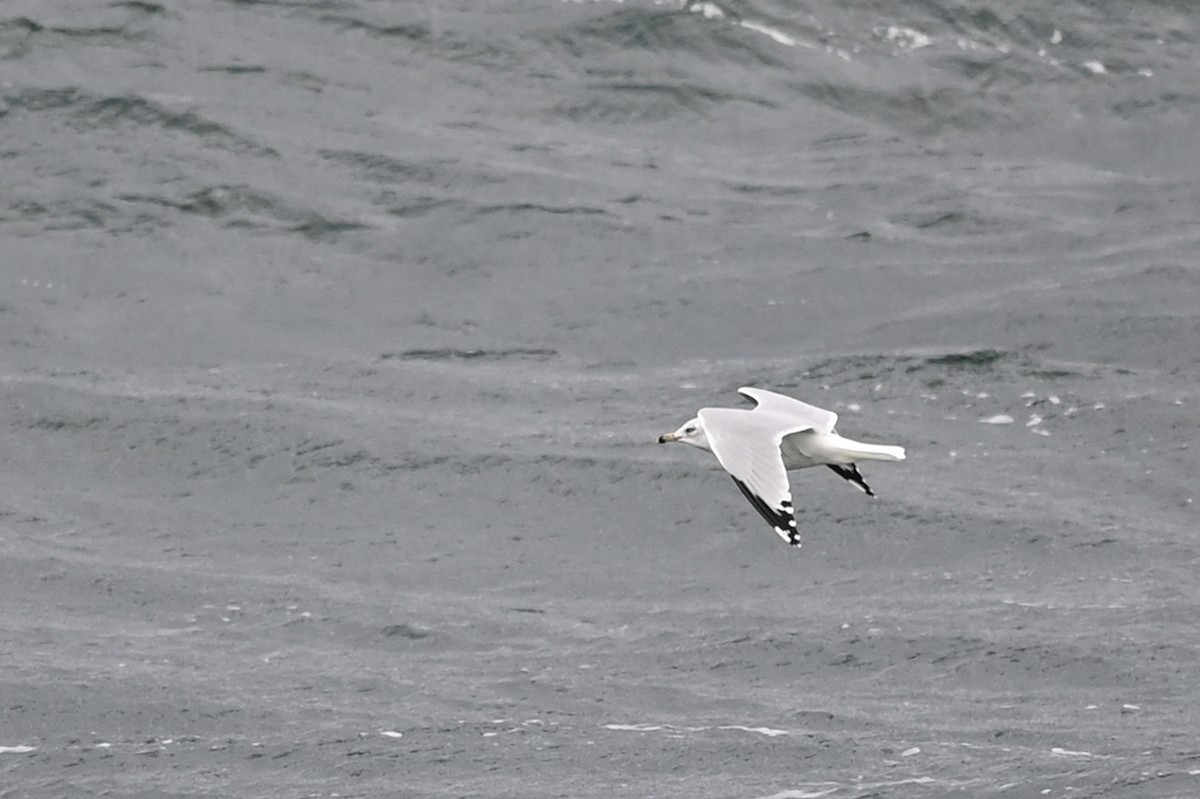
[(759, 446)]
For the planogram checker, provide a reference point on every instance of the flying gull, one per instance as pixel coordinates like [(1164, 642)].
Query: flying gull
[(759, 446)]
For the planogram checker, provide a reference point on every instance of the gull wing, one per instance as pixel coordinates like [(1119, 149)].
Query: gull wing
[(819, 419), (747, 445), (850, 472)]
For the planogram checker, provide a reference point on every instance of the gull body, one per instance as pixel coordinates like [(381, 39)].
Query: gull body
[(759, 446)]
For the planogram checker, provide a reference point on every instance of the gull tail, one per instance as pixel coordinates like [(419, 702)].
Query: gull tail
[(857, 450)]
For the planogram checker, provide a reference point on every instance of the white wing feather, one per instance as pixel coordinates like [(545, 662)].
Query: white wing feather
[(747, 444), (801, 413)]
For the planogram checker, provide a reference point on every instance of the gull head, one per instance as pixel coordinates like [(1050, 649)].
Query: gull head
[(692, 433)]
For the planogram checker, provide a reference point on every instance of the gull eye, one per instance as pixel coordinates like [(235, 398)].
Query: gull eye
[(690, 430)]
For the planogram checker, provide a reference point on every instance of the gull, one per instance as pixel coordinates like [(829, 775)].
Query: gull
[(759, 446)]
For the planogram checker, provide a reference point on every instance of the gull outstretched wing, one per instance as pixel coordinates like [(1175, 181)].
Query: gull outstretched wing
[(747, 444), (801, 413)]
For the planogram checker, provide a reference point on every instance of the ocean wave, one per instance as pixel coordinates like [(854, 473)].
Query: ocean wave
[(918, 67)]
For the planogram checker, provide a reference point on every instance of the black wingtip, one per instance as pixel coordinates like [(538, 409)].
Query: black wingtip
[(782, 519), (851, 474)]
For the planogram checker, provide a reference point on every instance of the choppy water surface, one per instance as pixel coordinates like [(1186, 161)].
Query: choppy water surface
[(336, 336)]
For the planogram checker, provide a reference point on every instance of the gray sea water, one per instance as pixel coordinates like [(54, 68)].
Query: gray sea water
[(335, 337)]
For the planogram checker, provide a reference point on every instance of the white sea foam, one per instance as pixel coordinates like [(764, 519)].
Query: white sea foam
[(19, 749), (633, 727), (815, 792), (1058, 750), (905, 38), (767, 30), (672, 728), (712, 11), (767, 731), (707, 10)]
